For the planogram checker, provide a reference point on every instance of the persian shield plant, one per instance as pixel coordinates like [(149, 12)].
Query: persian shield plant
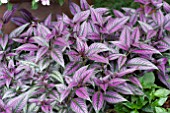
[(82, 64)]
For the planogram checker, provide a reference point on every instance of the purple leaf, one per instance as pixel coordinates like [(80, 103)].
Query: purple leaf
[(82, 93), (27, 47), (116, 81), (102, 10), (98, 58), (144, 49), (57, 56), (81, 16), (121, 61), (135, 35), (115, 56), (115, 24), (120, 45), (166, 7), (124, 89), (135, 81), (93, 36), (118, 13), (125, 37), (18, 103), (151, 34), (84, 4), (74, 8), (8, 15), (78, 105), (47, 21), (40, 41), (18, 21), (18, 31), (4, 41), (126, 72), (60, 41), (64, 94), (71, 68), (96, 17), (146, 27), (97, 48), (141, 64), (79, 73), (41, 51), (83, 30), (97, 101), (113, 97)]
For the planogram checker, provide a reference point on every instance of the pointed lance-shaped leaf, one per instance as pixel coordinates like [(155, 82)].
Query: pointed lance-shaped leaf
[(40, 41), (116, 81), (83, 30), (18, 20), (141, 64), (4, 41), (166, 6), (125, 37), (121, 61), (135, 81), (78, 73), (81, 16), (74, 8), (126, 72), (115, 24), (96, 17), (71, 68), (135, 35), (102, 10), (118, 14), (97, 101), (64, 94), (160, 18), (120, 45), (57, 75), (113, 97), (18, 31), (97, 48), (144, 49), (47, 21), (98, 58), (84, 4), (123, 89), (18, 103), (78, 105), (58, 57), (82, 93), (146, 27), (41, 51), (27, 47), (8, 15), (93, 36)]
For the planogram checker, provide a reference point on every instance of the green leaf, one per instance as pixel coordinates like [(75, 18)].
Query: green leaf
[(147, 80), (134, 111), (160, 110), (34, 4), (162, 92), (148, 109), (61, 2), (159, 102), (57, 75), (9, 6)]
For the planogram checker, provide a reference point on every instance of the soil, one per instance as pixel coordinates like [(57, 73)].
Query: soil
[(167, 103)]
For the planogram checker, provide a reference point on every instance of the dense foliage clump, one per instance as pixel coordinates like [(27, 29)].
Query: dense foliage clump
[(84, 64)]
